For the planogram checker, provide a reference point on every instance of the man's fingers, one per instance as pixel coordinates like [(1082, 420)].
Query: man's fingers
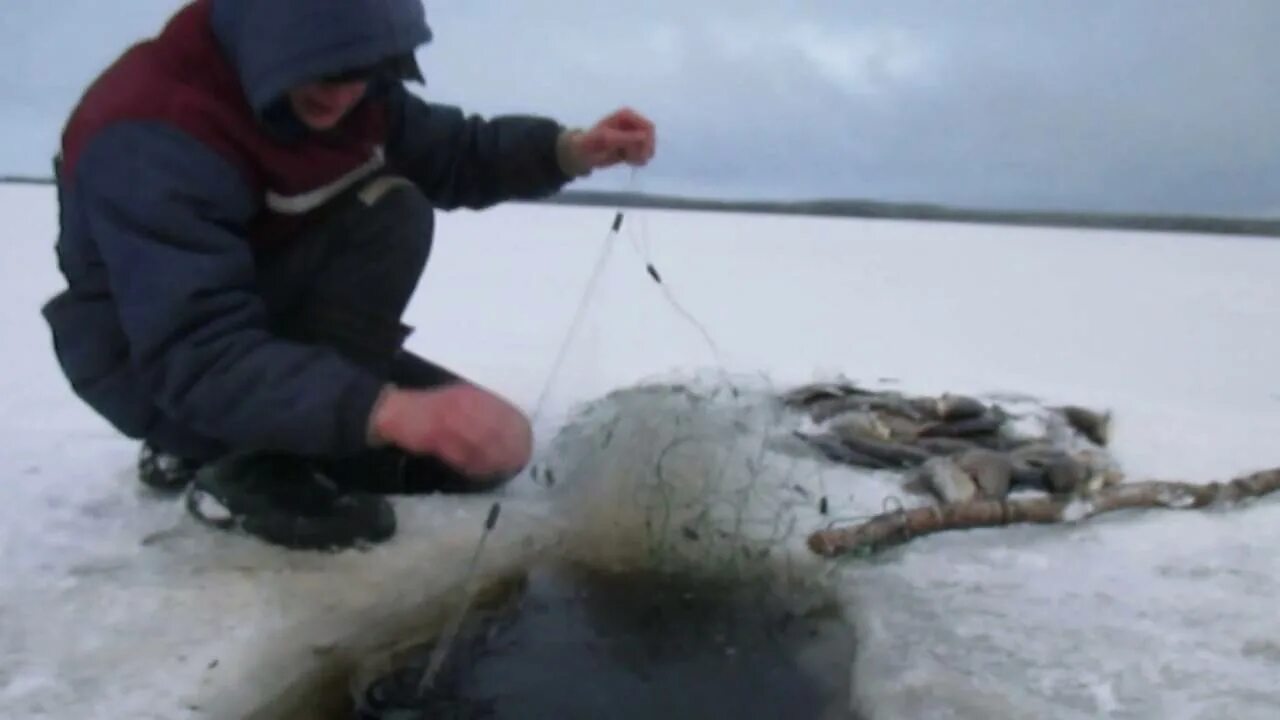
[(509, 447), (471, 456), (639, 150), (624, 136), (602, 145), (615, 138), (629, 119), (471, 430), (489, 441)]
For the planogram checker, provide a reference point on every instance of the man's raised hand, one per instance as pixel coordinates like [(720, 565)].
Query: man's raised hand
[(623, 136)]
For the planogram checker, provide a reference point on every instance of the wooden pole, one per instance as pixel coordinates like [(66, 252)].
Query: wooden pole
[(893, 528)]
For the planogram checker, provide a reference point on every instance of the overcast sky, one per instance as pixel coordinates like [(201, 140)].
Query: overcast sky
[(1115, 105)]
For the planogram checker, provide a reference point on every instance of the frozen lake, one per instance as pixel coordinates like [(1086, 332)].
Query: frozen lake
[(1159, 615)]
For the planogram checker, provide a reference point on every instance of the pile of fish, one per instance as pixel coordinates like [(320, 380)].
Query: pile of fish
[(956, 447)]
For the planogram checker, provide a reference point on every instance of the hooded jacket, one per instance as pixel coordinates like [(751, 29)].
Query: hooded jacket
[(182, 159)]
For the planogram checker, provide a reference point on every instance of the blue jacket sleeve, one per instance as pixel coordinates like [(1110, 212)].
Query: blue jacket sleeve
[(469, 161), (168, 217)]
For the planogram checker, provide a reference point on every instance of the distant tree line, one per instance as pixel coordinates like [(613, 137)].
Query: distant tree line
[(851, 208)]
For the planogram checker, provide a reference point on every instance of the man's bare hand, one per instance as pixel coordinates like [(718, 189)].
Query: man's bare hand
[(470, 428), (623, 136)]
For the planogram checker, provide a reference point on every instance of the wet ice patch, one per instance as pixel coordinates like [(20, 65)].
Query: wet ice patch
[(626, 645)]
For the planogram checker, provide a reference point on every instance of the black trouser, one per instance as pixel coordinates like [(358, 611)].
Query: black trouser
[(345, 280), (344, 283)]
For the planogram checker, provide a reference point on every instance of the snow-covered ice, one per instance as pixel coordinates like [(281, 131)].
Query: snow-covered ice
[(115, 605)]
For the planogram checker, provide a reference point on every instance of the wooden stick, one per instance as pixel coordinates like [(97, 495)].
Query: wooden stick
[(892, 528)]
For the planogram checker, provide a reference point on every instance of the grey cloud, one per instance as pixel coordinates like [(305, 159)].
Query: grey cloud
[(1140, 105), (1129, 105)]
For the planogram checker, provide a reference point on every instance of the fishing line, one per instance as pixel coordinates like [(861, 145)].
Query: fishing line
[(646, 255), (445, 643), (579, 313), (589, 291)]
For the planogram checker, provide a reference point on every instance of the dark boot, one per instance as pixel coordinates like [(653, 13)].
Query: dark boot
[(285, 501), (165, 472)]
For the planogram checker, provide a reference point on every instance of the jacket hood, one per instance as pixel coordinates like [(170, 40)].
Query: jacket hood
[(276, 45)]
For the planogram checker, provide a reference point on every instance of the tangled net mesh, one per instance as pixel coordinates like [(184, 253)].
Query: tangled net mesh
[(727, 478), (693, 478)]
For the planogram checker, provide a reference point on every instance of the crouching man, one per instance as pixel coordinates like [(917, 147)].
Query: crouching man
[(247, 203)]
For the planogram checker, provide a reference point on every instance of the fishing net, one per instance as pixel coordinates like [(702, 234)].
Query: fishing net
[(677, 585), (732, 479), (696, 477)]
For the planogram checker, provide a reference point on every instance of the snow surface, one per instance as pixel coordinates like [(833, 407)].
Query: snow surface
[(115, 605)]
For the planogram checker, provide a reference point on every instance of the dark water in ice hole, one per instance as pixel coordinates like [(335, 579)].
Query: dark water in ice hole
[(576, 644)]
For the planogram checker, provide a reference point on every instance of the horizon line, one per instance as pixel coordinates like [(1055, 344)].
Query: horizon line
[(866, 208)]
